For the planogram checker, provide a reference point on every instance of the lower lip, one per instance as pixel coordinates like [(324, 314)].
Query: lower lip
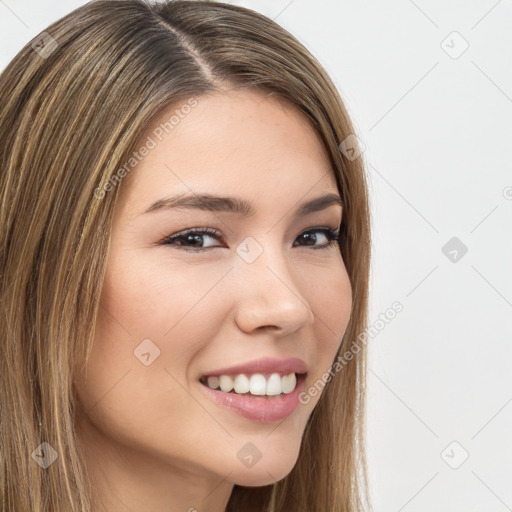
[(262, 409)]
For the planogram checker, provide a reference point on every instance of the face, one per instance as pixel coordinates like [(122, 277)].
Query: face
[(267, 289)]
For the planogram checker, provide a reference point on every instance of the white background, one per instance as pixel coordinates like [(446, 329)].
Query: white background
[(438, 135)]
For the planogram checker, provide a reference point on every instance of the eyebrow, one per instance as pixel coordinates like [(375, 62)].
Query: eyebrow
[(212, 203)]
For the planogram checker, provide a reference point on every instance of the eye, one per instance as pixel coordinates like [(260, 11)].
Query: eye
[(190, 239), (332, 236), (192, 236)]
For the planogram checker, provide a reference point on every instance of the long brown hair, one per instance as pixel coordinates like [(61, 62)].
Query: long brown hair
[(73, 104)]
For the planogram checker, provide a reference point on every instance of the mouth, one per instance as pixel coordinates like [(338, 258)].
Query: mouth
[(261, 385), (258, 397)]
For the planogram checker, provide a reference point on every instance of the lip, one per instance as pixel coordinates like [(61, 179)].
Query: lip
[(261, 409), (264, 365)]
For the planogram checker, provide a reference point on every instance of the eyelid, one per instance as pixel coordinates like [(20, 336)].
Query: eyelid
[(333, 235), (193, 231)]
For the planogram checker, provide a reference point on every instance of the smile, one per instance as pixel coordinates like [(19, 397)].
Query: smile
[(257, 384), (263, 398)]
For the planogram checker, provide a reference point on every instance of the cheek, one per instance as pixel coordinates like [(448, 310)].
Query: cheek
[(151, 298), (146, 338), (330, 298), (149, 314)]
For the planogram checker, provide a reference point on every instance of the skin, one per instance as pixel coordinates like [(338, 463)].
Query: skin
[(153, 440)]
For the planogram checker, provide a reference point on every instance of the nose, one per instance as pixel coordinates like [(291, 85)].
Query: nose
[(268, 296)]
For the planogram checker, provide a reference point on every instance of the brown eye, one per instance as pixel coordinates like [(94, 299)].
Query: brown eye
[(192, 240), (194, 237), (311, 238)]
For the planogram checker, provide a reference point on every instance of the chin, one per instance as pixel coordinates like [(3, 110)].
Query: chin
[(264, 472), (260, 478)]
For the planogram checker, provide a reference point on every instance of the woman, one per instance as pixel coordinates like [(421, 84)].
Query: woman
[(185, 246)]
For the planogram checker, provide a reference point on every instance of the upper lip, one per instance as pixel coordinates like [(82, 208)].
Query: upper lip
[(263, 365)]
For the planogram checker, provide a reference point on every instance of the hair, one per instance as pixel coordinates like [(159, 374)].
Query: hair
[(69, 118)]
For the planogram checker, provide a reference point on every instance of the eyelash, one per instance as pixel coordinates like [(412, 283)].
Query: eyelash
[(332, 235)]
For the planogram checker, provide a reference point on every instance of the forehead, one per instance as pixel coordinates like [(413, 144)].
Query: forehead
[(244, 143)]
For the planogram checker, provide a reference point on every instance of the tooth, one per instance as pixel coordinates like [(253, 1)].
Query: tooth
[(258, 384), (288, 383), (213, 382), (241, 384), (226, 383), (274, 384)]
